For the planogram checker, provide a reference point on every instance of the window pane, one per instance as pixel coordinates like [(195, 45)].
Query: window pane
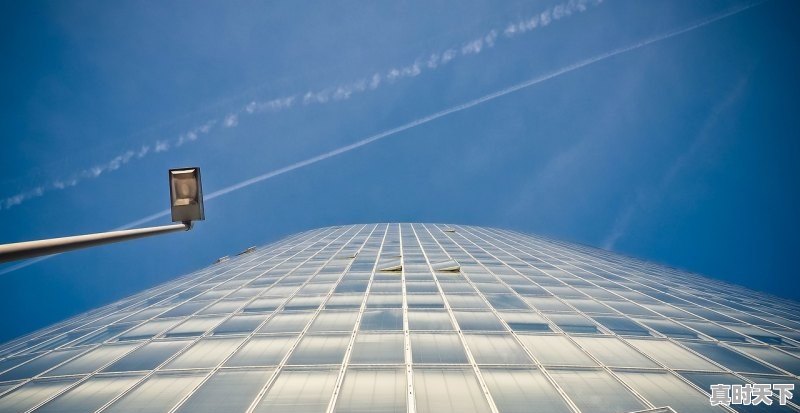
[(517, 391), (149, 329), (548, 304), (89, 395), (664, 389), (262, 351), (206, 353), (525, 321), (287, 323), (466, 301), (437, 348), (301, 391), (429, 320), (729, 358), (344, 301), (574, 323), (715, 331), (496, 349), (368, 391), (224, 307), (148, 357), (304, 303), (622, 326), (157, 394), (668, 328), (439, 391), (264, 305), (612, 351), (240, 324), (227, 391), (328, 349), (424, 301), (93, 360), (384, 301), (596, 391), (478, 321), (31, 394), (382, 320), (774, 357), (334, 321), (194, 327), (506, 301), (377, 349), (672, 355), (40, 364), (555, 350)]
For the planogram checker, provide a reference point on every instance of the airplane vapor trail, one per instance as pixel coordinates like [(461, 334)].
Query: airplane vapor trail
[(440, 114)]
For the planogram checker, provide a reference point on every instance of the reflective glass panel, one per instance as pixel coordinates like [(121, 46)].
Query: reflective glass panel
[(31, 394), (148, 357), (611, 351), (324, 349), (90, 395), (496, 349), (227, 391), (368, 391), (93, 360), (206, 353), (439, 390), (517, 391), (437, 348), (262, 351), (557, 350), (672, 355), (159, 393), (429, 320), (299, 391), (661, 388), (377, 348), (596, 391), (388, 319)]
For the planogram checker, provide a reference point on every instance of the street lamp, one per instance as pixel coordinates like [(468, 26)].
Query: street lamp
[(186, 204)]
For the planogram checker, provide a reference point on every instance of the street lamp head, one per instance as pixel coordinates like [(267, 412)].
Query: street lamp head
[(186, 195)]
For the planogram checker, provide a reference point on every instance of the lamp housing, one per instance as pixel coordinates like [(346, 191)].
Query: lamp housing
[(186, 195)]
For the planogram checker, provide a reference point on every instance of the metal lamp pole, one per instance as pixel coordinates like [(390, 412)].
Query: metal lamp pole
[(187, 206)]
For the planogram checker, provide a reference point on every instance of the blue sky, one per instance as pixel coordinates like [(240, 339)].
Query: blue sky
[(665, 130)]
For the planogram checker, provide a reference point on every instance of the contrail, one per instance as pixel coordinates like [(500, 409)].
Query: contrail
[(432, 117), (323, 96)]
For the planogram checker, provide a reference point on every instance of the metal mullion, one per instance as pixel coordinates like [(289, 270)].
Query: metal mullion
[(356, 329), (282, 363), (157, 368), (140, 345), (411, 396), (470, 357), (662, 365)]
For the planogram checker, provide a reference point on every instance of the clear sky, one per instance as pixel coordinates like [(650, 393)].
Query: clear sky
[(664, 130)]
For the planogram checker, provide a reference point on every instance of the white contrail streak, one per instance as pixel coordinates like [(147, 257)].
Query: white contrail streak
[(432, 117), (326, 95)]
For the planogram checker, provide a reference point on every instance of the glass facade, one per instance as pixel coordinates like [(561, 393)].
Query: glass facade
[(412, 318)]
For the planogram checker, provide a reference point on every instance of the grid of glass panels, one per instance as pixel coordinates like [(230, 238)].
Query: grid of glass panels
[(410, 317)]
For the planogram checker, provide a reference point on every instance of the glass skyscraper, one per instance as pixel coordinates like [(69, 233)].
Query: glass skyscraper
[(413, 318)]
